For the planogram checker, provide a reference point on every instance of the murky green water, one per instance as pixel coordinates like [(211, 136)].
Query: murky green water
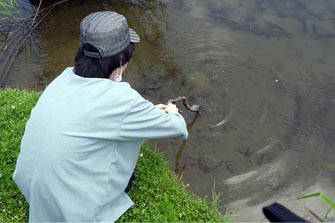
[(263, 71)]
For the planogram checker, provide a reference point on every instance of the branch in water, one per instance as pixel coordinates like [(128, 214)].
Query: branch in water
[(183, 99)]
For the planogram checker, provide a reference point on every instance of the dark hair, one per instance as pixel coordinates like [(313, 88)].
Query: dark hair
[(85, 66)]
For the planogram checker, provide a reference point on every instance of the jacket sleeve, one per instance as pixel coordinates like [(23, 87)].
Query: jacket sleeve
[(144, 121)]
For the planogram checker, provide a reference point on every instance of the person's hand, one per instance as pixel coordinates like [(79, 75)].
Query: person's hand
[(161, 106), (171, 108)]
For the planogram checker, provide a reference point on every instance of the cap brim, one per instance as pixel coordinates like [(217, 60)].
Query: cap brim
[(134, 38)]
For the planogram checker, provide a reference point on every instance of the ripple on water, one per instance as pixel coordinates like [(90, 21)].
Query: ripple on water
[(262, 76)]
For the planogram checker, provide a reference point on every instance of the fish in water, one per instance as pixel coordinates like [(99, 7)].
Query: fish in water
[(225, 120)]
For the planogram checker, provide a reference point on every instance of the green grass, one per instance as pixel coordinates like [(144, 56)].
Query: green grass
[(15, 108), (157, 194), (7, 7), (326, 199)]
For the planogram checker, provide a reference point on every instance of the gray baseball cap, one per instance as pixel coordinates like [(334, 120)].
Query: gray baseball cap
[(107, 31)]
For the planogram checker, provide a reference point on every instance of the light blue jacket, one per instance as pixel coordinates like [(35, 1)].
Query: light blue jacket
[(81, 145)]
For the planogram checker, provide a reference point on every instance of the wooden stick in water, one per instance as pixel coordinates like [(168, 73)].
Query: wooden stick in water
[(183, 99)]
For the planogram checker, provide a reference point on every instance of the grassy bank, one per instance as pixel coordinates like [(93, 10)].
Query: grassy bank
[(157, 195)]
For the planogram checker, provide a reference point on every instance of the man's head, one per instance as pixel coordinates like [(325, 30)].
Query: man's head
[(106, 43)]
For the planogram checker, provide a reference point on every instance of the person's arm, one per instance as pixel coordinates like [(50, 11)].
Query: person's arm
[(147, 121)]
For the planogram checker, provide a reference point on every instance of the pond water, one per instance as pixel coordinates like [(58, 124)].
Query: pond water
[(262, 70)]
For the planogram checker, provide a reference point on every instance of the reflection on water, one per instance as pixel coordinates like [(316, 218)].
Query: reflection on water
[(262, 70)]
